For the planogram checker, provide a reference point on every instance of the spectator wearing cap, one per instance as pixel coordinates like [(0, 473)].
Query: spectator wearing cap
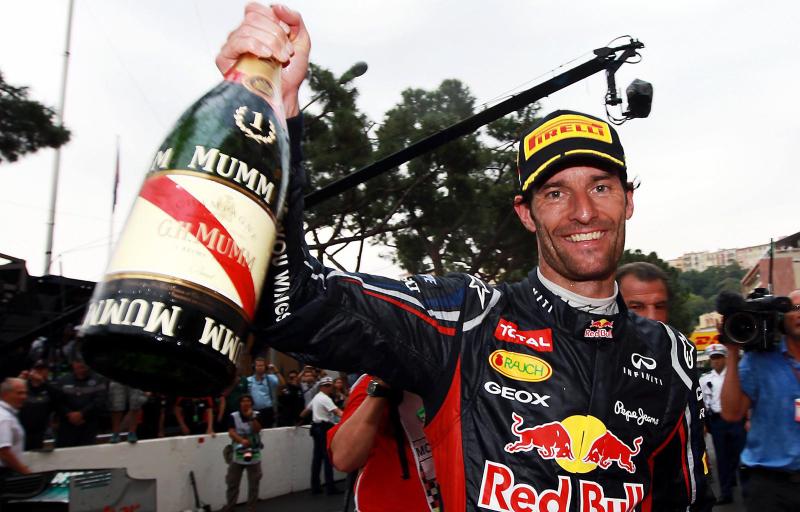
[(728, 436), (36, 413), (768, 384), (81, 401), (12, 436), (324, 415), (644, 289)]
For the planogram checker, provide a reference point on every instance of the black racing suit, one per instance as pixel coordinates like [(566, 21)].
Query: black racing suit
[(531, 404)]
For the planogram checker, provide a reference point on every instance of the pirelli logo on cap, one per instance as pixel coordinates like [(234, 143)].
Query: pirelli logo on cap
[(565, 127)]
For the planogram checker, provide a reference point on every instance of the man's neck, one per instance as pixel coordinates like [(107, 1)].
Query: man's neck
[(260, 376), (590, 289)]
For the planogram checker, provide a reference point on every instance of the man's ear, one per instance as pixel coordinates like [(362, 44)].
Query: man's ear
[(523, 209), (628, 204)]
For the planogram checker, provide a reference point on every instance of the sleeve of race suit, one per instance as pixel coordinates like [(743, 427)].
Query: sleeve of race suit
[(402, 331), (679, 465)]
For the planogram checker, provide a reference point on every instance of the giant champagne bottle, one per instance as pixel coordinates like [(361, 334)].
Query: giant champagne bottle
[(173, 309)]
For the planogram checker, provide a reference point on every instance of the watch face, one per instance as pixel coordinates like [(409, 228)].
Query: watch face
[(373, 385)]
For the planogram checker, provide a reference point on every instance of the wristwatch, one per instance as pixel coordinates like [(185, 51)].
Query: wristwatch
[(377, 390)]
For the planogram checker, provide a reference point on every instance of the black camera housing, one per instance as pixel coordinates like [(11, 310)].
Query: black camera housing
[(755, 323)]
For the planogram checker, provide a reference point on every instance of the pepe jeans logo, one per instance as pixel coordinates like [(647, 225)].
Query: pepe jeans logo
[(521, 367), (638, 415)]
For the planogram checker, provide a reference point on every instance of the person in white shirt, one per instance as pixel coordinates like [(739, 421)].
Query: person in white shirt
[(324, 415), (729, 437), (13, 393)]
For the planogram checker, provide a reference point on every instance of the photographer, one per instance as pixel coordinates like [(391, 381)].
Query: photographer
[(245, 453), (768, 382)]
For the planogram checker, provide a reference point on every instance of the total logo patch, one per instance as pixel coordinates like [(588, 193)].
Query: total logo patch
[(540, 340), (578, 444), (599, 329), (524, 367), (501, 492)]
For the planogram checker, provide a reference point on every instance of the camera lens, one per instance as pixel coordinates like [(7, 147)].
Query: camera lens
[(741, 327)]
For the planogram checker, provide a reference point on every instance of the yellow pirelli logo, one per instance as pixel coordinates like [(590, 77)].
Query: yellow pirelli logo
[(565, 127)]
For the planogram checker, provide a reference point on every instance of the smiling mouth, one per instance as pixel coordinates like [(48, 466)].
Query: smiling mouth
[(585, 237)]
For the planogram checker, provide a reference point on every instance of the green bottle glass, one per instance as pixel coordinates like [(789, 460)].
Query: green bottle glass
[(172, 312)]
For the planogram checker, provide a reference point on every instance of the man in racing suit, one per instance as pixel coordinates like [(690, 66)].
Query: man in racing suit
[(541, 395)]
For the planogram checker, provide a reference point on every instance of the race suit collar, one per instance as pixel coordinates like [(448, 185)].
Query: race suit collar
[(576, 323), (602, 306)]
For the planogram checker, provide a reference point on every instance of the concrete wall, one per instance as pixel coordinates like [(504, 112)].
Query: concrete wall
[(286, 462)]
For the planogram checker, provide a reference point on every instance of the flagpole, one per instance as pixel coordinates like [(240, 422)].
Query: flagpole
[(51, 224), (113, 205)]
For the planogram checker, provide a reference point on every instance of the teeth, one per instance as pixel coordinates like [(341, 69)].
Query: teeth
[(582, 237)]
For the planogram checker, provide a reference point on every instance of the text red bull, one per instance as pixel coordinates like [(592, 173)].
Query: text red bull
[(501, 493)]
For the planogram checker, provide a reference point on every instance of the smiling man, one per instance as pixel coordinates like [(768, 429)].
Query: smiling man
[(542, 395)]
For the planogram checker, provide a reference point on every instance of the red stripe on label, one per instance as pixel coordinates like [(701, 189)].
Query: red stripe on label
[(179, 204), (449, 331)]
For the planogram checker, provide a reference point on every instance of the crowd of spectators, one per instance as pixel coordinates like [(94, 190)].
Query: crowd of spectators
[(68, 404)]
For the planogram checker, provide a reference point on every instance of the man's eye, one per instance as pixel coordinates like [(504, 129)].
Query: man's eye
[(553, 194), (602, 188)]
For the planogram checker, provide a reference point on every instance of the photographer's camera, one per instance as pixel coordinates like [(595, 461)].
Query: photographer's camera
[(755, 323)]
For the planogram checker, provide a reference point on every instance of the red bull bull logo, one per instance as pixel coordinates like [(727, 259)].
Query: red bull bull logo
[(599, 329), (578, 444), (500, 492)]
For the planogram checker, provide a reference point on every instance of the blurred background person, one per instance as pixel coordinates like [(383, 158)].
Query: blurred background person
[(13, 392), (728, 436), (381, 432), (290, 400), (81, 402), (768, 383), (243, 429), (308, 383), (262, 386), (324, 414), (37, 411), (644, 289), (195, 416), (125, 404), (340, 392)]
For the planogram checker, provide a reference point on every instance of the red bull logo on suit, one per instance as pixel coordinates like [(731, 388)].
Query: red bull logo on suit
[(578, 444), (500, 492)]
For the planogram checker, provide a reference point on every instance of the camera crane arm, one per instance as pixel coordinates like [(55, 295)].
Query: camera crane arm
[(609, 59)]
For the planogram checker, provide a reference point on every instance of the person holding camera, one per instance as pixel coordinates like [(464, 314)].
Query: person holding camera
[(768, 383), (244, 453)]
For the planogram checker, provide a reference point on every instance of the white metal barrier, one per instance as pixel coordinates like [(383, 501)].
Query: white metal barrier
[(286, 463)]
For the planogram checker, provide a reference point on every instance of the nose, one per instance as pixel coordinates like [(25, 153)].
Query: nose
[(583, 208)]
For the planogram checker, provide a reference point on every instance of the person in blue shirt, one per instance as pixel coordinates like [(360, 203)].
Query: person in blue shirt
[(262, 386), (768, 383)]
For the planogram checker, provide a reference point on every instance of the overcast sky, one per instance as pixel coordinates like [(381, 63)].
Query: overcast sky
[(715, 158)]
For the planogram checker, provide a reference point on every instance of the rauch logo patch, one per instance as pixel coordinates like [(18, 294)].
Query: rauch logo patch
[(518, 366)]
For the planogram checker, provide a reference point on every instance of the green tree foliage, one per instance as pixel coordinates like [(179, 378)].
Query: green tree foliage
[(448, 210), (25, 125), (713, 280)]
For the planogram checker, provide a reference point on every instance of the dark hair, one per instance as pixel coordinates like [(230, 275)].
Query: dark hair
[(247, 396), (260, 358), (643, 271)]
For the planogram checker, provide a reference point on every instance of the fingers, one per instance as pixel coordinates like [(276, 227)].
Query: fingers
[(292, 19), (261, 33)]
